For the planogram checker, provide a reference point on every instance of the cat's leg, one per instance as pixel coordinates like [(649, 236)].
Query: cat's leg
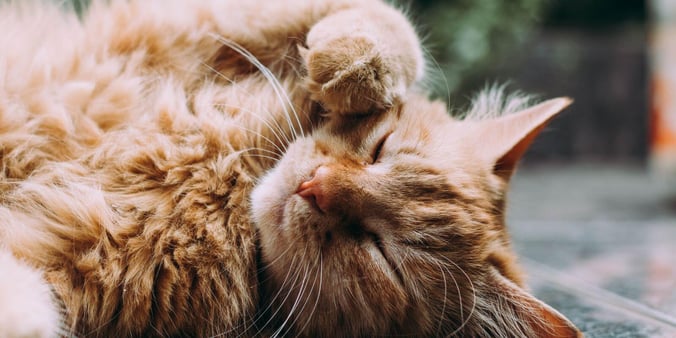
[(27, 308), (362, 58)]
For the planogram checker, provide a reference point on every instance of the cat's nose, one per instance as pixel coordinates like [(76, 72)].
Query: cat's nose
[(314, 189)]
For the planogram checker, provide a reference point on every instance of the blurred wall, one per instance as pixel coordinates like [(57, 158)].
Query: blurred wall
[(593, 51)]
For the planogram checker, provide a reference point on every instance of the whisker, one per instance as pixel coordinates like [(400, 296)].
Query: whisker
[(280, 290), (441, 72), (292, 62), (252, 113), (474, 300), (307, 299), (457, 288), (279, 151), (255, 321), (275, 128), (314, 307), (265, 157), (241, 151), (276, 132), (277, 87), (296, 302), (443, 308)]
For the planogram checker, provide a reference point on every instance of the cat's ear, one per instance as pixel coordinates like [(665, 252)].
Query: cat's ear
[(544, 320), (504, 140)]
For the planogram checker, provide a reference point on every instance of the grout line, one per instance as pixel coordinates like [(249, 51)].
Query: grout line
[(579, 287)]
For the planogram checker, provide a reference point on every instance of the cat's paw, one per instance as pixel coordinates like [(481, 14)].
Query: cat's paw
[(349, 75), (26, 305)]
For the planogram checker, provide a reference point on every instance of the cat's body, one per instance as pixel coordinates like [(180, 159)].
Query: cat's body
[(131, 143)]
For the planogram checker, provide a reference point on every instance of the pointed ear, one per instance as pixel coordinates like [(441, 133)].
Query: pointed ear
[(507, 138), (544, 321)]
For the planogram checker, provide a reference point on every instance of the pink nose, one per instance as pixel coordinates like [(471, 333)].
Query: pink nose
[(314, 190)]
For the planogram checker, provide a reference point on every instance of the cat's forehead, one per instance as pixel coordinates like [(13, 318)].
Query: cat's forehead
[(411, 122), (431, 128), (422, 128), (443, 144)]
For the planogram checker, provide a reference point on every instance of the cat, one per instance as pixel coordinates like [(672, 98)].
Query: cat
[(262, 168)]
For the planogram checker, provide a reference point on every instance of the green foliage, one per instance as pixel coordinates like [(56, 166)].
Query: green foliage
[(466, 37)]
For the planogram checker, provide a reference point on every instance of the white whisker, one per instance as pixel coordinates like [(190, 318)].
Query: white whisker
[(276, 132), (307, 299), (276, 129), (474, 300), (431, 57), (277, 87), (279, 151), (270, 303), (443, 308), (314, 307), (281, 288), (277, 156), (303, 285), (292, 62)]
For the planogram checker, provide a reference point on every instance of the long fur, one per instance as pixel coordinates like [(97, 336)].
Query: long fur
[(130, 140)]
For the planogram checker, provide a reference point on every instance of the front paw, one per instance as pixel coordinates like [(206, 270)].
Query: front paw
[(349, 75)]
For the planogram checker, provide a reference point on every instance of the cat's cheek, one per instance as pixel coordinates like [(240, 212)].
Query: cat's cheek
[(269, 198), (271, 201), (276, 212), (264, 205)]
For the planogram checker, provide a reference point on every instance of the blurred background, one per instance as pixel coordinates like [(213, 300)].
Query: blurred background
[(594, 51)]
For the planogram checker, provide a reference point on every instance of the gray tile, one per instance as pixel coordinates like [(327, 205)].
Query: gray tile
[(600, 245)]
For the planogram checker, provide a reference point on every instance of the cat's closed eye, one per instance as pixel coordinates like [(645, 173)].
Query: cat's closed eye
[(378, 149)]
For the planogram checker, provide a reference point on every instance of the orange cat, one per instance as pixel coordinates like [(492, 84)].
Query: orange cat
[(158, 180)]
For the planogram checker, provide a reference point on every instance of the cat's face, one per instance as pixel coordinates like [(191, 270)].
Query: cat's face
[(381, 224)]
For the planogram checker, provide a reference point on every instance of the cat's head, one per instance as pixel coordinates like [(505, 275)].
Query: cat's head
[(394, 223)]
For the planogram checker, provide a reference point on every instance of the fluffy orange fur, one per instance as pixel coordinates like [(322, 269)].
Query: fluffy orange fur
[(146, 178)]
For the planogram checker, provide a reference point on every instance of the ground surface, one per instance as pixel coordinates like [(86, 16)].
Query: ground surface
[(599, 244)]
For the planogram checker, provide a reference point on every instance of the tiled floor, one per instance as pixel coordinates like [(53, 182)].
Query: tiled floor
[(599, 243)]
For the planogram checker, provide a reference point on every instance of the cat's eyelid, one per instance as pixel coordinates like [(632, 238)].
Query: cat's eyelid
[(377, 151)]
